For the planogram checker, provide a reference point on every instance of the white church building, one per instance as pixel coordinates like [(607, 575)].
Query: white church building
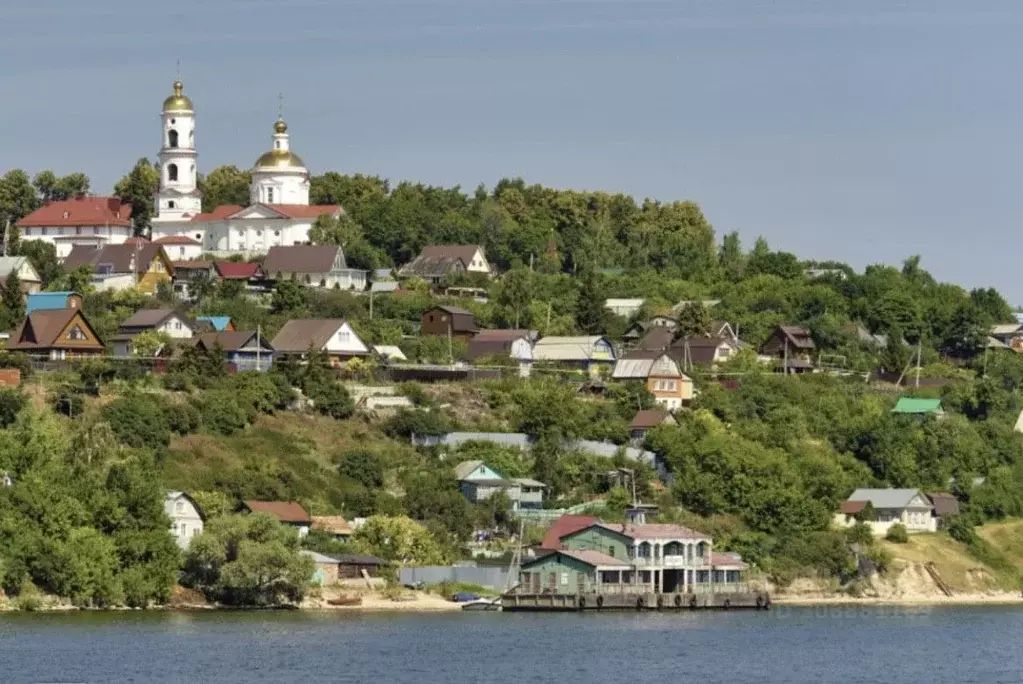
[(279, 213)]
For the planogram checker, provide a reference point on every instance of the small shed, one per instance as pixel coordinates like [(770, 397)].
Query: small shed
[(326, 568), (351, 565), (916, 406)]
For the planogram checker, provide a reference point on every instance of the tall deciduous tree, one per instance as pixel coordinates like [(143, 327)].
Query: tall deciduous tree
[(225, 185), (52, 187), (12, 301), (138, 188), (17, 197)]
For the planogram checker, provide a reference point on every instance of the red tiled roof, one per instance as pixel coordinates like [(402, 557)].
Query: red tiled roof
[(137, 241), (231, 269), (218, 214), (285, 511), (81, 211), (563, 526), (176, 240), (720, 559)]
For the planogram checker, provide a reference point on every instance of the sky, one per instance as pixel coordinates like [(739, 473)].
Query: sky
[(857, 130)]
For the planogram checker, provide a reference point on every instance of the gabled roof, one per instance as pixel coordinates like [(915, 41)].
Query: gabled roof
[(218, 214), (390, 352), (41, 329), (299, 334), (887, 498), (798, 337), (464, 253), (651, 418), (945, 504), (81, 211), (917, 405), (658, 338), (702, 350), (661, 366), (119, 257), (151, 318), (192, 265), (218, 323), (466, 468), (232, 340), (384, 286), (495, 342), (303, 211), (302, 259), (564, 526), (9, 264), (233, 270), (285, 511)]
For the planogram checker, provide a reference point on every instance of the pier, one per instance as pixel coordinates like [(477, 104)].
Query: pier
[(616, 601)]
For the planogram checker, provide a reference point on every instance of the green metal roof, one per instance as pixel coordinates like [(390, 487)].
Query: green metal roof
[(916, 405)]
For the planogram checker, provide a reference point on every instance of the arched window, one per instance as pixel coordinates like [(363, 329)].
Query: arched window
[(269, 195), (172, 172), (170, 205), (172, 138), (277, 144)]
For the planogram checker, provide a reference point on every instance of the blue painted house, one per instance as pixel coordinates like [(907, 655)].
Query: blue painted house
[(50, 301), (478, 482), (245, 350)]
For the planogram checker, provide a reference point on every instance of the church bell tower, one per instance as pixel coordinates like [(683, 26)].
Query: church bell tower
[(178, 198)]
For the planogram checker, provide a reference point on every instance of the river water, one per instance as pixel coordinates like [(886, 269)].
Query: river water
[(847, 645)]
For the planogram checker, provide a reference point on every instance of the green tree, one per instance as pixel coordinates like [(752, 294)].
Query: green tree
[(12, 302), (51, 187), (138, 188), (17, 197), (731, 258), (288, 297), (248, 560), (514, 292), (149, 343), (43, 256), (397, 539), (225, 185)]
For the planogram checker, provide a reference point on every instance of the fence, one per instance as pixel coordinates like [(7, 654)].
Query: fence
[(493, 577)]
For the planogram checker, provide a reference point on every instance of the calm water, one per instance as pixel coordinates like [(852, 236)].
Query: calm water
[(846, 645)]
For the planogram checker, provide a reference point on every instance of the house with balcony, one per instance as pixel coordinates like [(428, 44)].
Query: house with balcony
[(632, 558)]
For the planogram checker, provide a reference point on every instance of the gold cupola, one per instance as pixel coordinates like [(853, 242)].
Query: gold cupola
[(178, 102), (281, 156)]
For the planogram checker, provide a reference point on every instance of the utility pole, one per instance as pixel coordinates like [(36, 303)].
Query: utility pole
[(548, 326), (451, 354), (371, 302), (918, 349)]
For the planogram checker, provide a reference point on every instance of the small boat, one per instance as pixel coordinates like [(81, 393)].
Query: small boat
[(345, 601), (491, 604)]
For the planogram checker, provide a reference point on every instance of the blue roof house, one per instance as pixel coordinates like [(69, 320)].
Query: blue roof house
[(218, 323)]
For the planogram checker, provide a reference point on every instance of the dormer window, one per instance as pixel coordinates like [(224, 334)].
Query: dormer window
[(67, 214)]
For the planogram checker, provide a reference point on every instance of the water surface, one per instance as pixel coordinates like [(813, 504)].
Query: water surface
[(847, 645)]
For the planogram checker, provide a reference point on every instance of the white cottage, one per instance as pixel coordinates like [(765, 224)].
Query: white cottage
[(187, 519), (908, 507), (333, 336)]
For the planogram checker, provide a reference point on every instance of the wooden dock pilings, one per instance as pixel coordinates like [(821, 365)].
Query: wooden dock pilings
[(549, 602)]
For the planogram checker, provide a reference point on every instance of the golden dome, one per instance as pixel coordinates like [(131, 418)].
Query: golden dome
[(280, 126), (178, 101), (280, 159)]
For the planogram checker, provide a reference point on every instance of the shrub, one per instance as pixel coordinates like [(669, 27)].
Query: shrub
[(11, 403), (331, 399), (860, 533), (406, 423), (221, 413), (960, 530), (67, 402), (183, 419), (897, 534), (139, 421)]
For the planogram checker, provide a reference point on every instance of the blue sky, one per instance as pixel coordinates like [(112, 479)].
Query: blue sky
[(861, 130)]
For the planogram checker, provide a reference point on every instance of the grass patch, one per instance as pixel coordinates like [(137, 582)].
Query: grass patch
[(447, 589)]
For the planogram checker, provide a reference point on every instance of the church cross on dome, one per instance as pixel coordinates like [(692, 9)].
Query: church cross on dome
[(280, 106)]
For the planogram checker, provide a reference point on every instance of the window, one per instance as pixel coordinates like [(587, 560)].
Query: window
[(172, 172), (170, 205), (174, 529), (172, 138), (174, 121), (198, 236), (277, 144), (44, 227), (76, 334), (270, 195), (611, 551), (564, 578), (78, 230), (179, 507), (277, 233), (183, 529)]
